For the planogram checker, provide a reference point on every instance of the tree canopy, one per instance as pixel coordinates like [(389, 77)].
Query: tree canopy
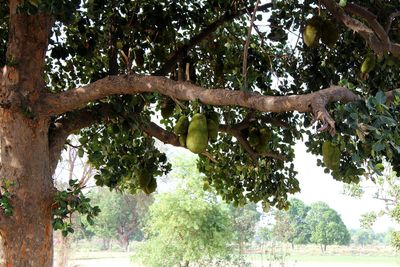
[(196, 45), (326, 226), (107, 69)]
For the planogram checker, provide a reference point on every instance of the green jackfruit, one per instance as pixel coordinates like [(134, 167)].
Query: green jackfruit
[(182, 140), (144, 178), (254, 137), (368, 64), (329, 33), (197, 137), (212, 127), (312, 32), (331, 155), (167, 106), (151, 187), (264, 137), (182, 125)]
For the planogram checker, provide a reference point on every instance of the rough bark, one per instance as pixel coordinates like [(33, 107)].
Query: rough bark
[(27, 234)]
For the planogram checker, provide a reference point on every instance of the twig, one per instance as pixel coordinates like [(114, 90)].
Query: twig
[(246, 47)]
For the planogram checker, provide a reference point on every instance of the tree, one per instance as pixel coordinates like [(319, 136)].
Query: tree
[(291, 226), (283, 230), (362, 237), (104, 68), (186, 226), (120, 216), (244, 220), (327, 228), (74, 168), (297, 218), (387, 189)]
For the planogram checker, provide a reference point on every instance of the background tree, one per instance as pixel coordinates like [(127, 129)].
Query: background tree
[(387, 189), (244, 221), (71, 168), (297, 218), (121, 215), (104, 68), (326, 226), (186, 226)]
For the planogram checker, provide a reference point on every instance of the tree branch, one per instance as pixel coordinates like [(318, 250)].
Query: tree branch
[(372, 21), (59, 103), (183, 50), (376, 37)]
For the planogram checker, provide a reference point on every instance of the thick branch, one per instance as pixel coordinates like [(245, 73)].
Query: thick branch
[(183, 50), (372, 21), (55, 104)]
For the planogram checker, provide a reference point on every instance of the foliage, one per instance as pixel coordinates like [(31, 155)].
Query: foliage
[(364, 237), (326, 226), (387, 189), (244, 221), (95, 38), (283, 230), (121, 215), (67, 202), (297, 218), (186, 225)]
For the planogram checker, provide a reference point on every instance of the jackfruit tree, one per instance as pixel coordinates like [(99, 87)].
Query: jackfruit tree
[(122, 73)]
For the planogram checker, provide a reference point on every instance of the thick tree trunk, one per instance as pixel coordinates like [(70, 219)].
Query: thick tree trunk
[(27, 234)]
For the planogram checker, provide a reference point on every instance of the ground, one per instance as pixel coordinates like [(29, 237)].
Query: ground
[(106, 259)]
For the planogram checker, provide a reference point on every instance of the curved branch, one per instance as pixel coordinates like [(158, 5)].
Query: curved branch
[(59, 103), (376, 37), (183, 50)]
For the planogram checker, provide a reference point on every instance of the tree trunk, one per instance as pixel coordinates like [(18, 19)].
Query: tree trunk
[(64, 251), (27, 235)]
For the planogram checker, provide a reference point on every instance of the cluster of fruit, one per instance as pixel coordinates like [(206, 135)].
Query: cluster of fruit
[(318, 28), (258, 138), (196, 134), (147, 181)]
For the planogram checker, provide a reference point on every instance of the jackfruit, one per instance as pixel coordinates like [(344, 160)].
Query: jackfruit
[(182, 140), (151, 187), (197, 137), (144, 178), (329, 33), (312, 32), (368, 65), (331, 155), (264, 137), (182, 125), (212, 127), (167, 106), (254, 137)]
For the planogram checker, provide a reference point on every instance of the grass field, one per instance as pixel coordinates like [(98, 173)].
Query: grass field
[(301, 256)]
